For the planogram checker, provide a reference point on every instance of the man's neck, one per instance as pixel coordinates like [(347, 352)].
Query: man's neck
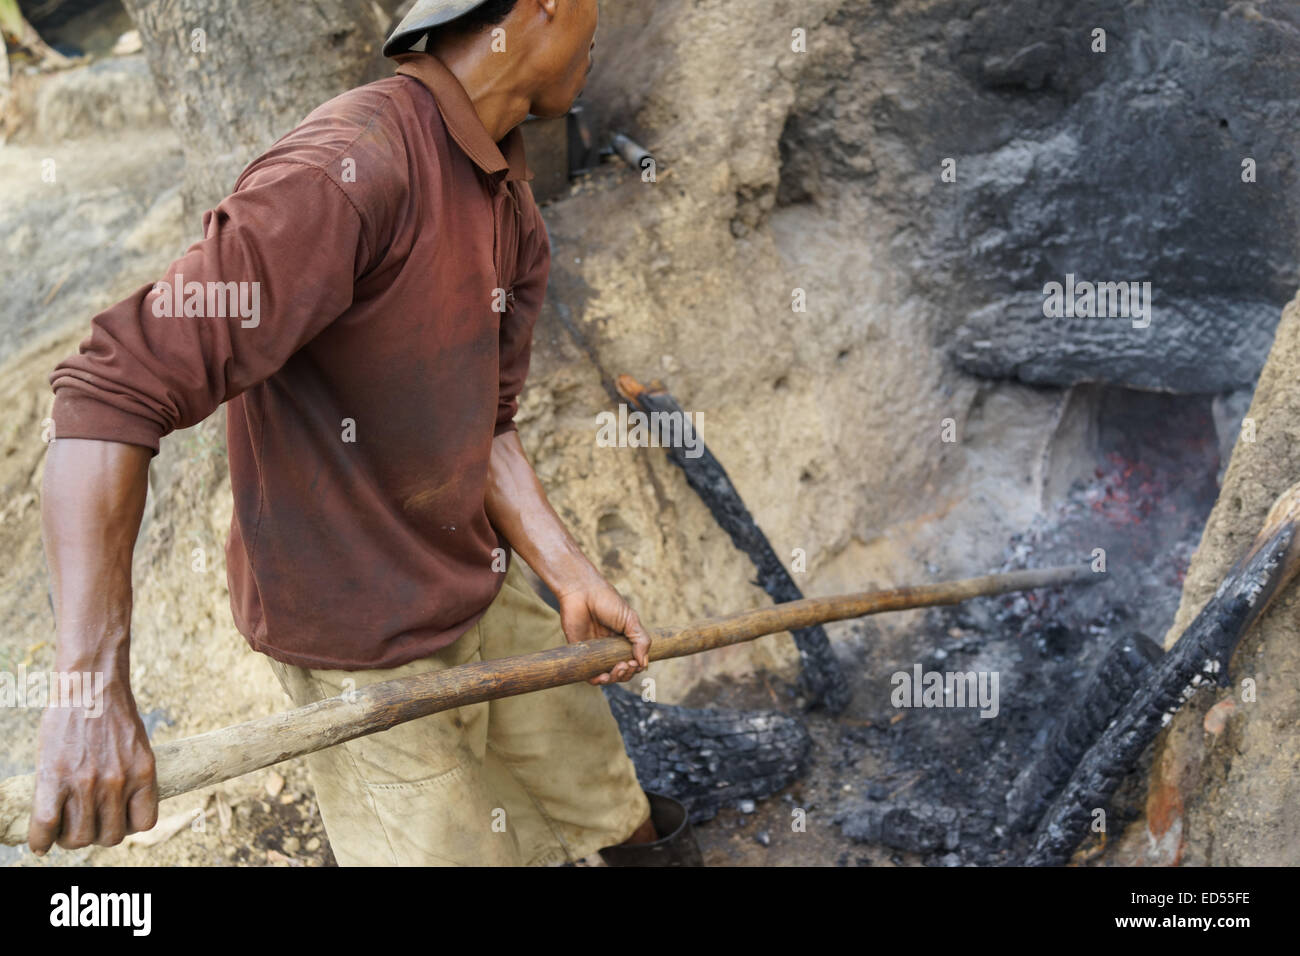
[(487, 78)]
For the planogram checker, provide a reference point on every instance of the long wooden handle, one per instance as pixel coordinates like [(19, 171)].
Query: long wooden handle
[(194, 762)]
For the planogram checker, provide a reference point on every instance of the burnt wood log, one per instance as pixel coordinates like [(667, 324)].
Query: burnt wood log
[(1126, 666), (1200, 657), (709, 759), (821, 679)]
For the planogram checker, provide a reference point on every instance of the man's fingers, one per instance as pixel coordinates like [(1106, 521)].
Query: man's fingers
[(630, 670), (78, 820), (640, 639), (640, 653), (110, 821), (142, 809), (622, 672), (47, 817)]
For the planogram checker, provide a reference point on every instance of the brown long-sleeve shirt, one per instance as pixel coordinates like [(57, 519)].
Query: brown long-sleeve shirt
[(365, 302)]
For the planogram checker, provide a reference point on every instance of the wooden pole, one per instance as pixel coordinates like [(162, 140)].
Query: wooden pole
[(205, 759)]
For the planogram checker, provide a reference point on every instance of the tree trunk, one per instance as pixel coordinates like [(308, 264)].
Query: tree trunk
[(236, 75)]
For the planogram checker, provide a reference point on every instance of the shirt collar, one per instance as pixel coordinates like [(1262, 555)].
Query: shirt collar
[(462, 120)]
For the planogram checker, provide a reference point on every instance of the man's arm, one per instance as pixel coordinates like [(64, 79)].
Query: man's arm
[(589, 606), (516, 503), (96, 782), (144, 372)]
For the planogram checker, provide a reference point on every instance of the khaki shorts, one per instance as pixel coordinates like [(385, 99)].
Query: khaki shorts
[(531, 780)]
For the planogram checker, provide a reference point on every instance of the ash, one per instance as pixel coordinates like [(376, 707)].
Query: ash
[(961, 789)]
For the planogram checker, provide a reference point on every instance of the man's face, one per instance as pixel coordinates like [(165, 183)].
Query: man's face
[(566, 59)]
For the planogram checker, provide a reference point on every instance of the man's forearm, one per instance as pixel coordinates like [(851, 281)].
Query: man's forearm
[(517, 506), (92, 502), (589, 606), (95, 779)]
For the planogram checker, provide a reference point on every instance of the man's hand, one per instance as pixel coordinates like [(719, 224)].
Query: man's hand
[(589, 607), (599, 611), (95, 782)]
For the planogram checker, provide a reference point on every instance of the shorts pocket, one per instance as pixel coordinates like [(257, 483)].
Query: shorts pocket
[(445, 820)]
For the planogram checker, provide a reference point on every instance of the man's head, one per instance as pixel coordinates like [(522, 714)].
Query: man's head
[(547, 43)]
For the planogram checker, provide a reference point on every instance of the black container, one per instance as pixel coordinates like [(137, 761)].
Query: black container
[(676, 845)]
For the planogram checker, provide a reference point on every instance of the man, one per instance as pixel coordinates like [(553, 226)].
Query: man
[(364, 300)]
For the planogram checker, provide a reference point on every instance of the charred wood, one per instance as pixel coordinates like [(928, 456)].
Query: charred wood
[(915, 826), (1125, 667), (709, 759), (1199, 658), (821, 680)]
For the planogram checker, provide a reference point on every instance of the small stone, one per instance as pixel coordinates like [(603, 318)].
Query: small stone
[(274, 784), (313, 844), (292, 845), (747, 806), (764, 838)]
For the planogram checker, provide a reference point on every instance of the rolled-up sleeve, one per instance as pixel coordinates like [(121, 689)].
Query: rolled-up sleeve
[(276, 265), (520, 318)]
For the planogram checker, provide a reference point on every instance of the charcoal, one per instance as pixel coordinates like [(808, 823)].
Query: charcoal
[(1126, 664), (913, 826), (710, 759)]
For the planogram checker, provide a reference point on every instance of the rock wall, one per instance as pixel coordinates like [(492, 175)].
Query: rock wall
[(1121, 165)]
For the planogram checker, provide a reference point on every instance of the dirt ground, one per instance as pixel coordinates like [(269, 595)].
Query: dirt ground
[(773, 833)]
